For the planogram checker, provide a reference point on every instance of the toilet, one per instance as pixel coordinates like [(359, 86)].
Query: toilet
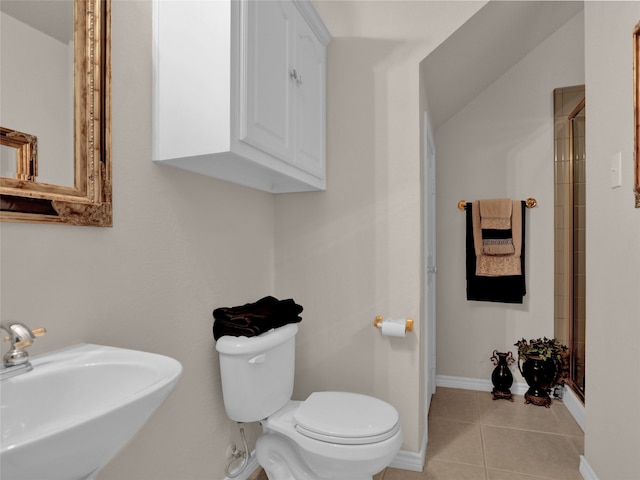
[(328, 436)]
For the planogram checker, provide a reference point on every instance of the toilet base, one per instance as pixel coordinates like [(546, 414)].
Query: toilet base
[(280, 475), (282, 461)]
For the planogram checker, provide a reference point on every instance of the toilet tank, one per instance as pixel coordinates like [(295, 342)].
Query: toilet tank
[(257, 373)]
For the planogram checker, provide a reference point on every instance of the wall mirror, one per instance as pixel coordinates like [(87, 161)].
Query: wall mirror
[(55, 127)]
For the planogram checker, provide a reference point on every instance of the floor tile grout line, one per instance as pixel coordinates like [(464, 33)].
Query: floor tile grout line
[(453, 420), (572, 444), (546, 432), (525, 474), (482, 446), (494, 425), (484, 453)]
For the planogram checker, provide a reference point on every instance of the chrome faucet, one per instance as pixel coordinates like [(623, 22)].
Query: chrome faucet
[(16, 360)]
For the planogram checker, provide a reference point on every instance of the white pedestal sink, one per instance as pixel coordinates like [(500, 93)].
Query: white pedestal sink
[(69, 416)]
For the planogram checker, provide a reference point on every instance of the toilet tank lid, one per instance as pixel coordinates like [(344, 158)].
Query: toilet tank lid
[(346, 415), (230, 345)]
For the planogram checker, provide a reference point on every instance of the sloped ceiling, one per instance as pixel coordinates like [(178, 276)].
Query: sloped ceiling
[(468, 54), (484, 48), (51, 17), (426, 21)]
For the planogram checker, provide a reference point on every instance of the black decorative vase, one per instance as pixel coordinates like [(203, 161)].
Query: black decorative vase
[(539, 375), (501, 376)]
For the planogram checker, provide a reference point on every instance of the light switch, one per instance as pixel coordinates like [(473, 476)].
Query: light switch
[(616, 170)]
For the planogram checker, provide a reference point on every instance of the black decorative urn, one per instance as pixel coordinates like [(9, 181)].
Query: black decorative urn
[(501, 376), (539, 374)]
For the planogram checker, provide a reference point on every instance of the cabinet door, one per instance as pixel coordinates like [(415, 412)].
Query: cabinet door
[(266, 102), (309, 99)]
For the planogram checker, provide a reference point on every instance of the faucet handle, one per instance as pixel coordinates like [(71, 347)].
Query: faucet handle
[(23, 344), (20, 337), (38, 332), (23, 335)]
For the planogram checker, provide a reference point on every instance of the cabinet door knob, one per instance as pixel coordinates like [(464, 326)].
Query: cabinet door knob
[(296, 76)]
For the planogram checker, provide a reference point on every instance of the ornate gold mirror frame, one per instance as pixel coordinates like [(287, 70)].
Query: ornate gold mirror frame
[(88, 202), (636, 112), (26, 147)]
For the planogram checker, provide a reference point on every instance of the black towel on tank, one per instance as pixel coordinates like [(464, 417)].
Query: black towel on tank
[(255, 318)]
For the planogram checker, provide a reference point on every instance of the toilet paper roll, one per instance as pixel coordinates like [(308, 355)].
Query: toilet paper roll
[(394, 328)]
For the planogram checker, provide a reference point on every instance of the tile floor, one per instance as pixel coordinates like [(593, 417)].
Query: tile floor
[(473, 437)]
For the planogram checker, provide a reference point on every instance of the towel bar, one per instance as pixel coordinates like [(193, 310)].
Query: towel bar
[(530, 203)]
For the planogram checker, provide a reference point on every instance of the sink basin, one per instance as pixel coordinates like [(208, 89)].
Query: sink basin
[(71, 414)]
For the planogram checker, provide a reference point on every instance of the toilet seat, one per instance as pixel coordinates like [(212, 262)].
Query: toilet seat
[(346, 418)]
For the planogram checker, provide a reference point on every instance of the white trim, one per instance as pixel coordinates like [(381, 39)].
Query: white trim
[(312, 17), (413, 461), (479, 384), (252, 466), (464, 383), (586, 471), (575, 407)]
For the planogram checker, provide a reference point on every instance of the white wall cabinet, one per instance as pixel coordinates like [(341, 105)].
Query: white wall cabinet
[(239, 91)]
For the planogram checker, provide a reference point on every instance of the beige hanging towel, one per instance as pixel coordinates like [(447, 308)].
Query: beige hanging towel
[(489, 262), (496, 213)]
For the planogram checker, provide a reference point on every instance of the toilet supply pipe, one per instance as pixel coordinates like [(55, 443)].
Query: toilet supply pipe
[(244, 454)]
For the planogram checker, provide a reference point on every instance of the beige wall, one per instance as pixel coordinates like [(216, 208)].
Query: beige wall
[(612, 439), (353, 252), (181, 245), (501, 145)]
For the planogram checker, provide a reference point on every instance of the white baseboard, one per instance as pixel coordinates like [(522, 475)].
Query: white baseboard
[(586, 471), (464, 383), (575, 407), (479, 384), (413, 461)]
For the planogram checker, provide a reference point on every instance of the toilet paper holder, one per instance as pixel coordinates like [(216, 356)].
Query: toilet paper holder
[(408, 325)]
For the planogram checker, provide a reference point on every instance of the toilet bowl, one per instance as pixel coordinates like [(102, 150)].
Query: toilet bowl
[(328, 436), (313, 440)]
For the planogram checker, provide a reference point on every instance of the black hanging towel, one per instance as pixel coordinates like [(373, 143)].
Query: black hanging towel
[(502, 289)]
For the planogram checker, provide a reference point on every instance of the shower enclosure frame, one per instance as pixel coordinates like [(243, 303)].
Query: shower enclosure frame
[(569, 261)]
